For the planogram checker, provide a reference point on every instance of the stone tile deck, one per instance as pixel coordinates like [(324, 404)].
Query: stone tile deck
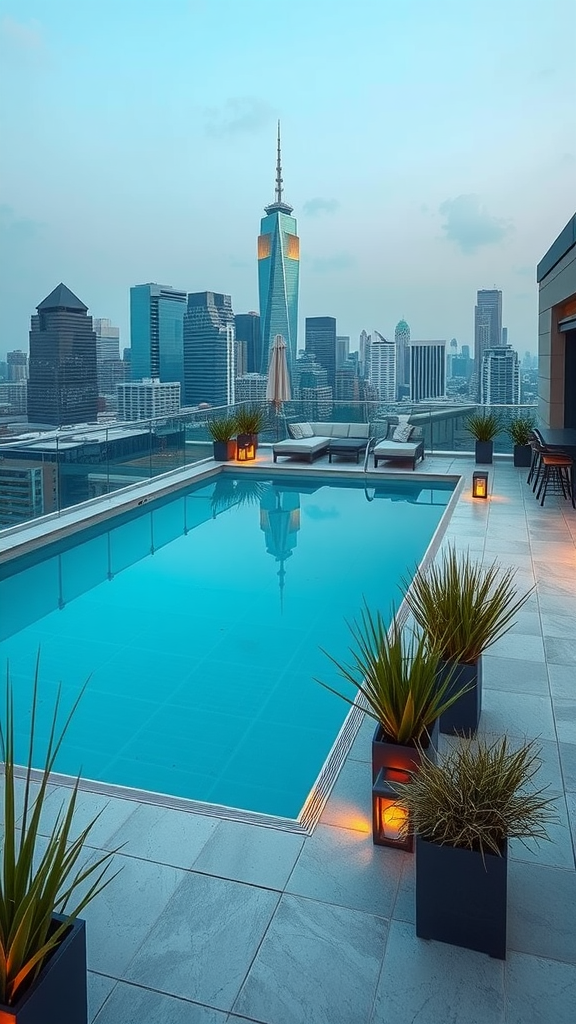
[(215, 921)]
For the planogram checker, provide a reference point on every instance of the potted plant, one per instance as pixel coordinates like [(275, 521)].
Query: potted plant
[(43, 888), (463, 810), (520, 430), (249, 422), (222, 431), (463, 608), (396, 679), (484, 426)]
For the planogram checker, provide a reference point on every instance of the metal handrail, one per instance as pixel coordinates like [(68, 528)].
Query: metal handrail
[(368, 452)]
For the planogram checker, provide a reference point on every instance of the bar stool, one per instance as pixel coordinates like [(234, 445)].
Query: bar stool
[(558, 469), (538, 450)]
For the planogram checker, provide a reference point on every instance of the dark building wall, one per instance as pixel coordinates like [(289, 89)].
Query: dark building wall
[(62, 386), (321, 343), (248, 331), (208, 349)]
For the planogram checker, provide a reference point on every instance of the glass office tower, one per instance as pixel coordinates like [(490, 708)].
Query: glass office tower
[(278, 274), (156, 332)]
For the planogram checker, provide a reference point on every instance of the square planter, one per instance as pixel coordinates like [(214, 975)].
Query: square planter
[(522, 456), (224, 451), (59, 993), (464, 715), (395, 755), (484, 451), (461, 897)]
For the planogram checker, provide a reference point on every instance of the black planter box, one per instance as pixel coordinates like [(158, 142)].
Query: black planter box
[(386, 754), (464, 715), (522, 456), (224, 451), (461, 897), (59, 994), (484, 451)]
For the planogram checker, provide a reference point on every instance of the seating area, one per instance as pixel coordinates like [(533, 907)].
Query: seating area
[(394, 440), (551, 468)]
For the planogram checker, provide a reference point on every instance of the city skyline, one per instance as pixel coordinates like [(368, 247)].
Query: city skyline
[(384, 233)]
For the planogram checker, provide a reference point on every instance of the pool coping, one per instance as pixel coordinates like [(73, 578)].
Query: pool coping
[(322, 786)]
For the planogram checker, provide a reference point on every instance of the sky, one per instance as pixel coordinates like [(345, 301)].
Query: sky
[(429, 150)]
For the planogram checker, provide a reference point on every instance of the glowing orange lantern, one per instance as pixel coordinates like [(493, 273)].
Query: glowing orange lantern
[(390, 825), (480, 485), (245, 448)]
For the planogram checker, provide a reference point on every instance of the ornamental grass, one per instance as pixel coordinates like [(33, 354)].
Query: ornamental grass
[(484, 426), (462, 606), (478, 796)]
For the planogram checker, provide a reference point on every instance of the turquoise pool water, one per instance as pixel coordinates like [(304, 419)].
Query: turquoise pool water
[(199, 619)]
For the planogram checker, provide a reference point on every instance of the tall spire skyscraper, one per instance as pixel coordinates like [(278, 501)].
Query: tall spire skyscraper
[(278, 273)]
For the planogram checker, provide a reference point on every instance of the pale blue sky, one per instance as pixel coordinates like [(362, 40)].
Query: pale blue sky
[(429, 150)]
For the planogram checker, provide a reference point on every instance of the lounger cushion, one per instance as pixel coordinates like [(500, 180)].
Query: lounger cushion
[(395, 449), (303, 446), (307, 430)]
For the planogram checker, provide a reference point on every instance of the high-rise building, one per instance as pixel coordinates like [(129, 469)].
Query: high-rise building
[(320, 342), (209, 370), (16, 366), (248, 331), (148, 399), (27, 489), (308, 373), (348, 384), (62, 387), (107, 339), (504, 335), (278, 274), (487, 324), (500, 378), (156, 335), (342, 349), (14, 398), (383, 367), (251, 387), (402, 339), (427, 370), (364, 344)]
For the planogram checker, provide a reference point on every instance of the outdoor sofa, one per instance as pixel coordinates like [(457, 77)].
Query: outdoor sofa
[(310, 440), (402, 442)]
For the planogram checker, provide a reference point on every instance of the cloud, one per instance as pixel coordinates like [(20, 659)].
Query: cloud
[(332, 264), (238, 115), (16, 229), (469, 225), (26, 35), (316, 512), (319, 205)]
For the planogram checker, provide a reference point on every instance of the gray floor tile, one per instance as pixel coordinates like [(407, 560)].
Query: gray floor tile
[(164, 835), (557, 851), (345, 867), (518, 714), (568, 762), (121, 916), (565, 715), (539, 991), (519, 645), (99, 988), (560, 652), (405, 905), (247, 853), (129, 1004), (111, 813), (542, 910), (557, 605), (203, 943), (527, 622), (562, 681), (350, 803), (514, 674), (361, 749), (435, 983), (318, 964)]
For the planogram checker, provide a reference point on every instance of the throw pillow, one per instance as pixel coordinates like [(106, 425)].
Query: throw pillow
[(403, 432), (307, 430), (295, 431)]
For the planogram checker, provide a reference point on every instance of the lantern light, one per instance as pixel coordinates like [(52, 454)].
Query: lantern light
[(245, 449), (389, 817), (479, 485)]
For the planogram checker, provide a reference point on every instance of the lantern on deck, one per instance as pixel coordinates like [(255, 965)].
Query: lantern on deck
[(389, 816), (245, 448), (479, 485)]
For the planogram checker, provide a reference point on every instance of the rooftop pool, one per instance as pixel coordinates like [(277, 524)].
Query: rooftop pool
[(200, 619)]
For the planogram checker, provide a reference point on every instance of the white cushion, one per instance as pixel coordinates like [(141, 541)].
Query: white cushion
[(359, 430), (307, 430), (295, 431), (403, 432), (304, 446)]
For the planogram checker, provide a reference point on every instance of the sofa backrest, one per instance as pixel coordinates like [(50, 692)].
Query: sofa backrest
[(323, 429)]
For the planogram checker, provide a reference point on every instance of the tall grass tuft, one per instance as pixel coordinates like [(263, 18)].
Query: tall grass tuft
[(397, 678), (34, 885), (478, 796), (463, 606), (484, 426)]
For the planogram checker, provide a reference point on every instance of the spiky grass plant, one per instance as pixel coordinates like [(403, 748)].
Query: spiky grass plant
[(484, 426), (479, 795), (520, 429), (251, 418), (35, 885), (463, 606), (223, 428), (397, 678)]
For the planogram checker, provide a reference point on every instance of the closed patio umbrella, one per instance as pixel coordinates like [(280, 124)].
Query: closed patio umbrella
[(278, 386)]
